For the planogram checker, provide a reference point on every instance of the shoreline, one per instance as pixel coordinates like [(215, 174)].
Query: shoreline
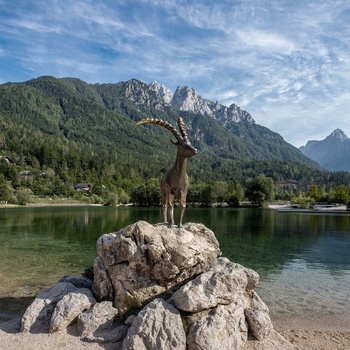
[(12, 339)]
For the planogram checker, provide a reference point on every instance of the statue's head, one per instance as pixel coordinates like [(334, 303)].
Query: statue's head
[(182, 142)]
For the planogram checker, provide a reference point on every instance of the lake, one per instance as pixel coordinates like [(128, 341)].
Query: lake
[(303, 259)]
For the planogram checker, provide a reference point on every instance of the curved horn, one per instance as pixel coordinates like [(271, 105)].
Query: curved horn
[(182, 129), (163, 123)]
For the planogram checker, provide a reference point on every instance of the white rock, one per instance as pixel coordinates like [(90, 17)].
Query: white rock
[(142, 261), (99, 317), (222, 284), (37, 317), (221, 328), (164, 92), (69, 307), (252, 276), (157, 326), (259, 323), (187, 99)]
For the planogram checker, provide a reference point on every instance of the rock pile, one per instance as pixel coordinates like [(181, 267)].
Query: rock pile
[(159, 288)]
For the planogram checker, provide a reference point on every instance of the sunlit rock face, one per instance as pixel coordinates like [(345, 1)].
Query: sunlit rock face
[(143, 261)]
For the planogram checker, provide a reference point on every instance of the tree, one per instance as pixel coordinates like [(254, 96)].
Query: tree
[(341, 194), (314, 192), (220, 191), (24, 195), (207, 197), (233, 199), (4, 193), (304, 202), (260, 189), (112, 199)]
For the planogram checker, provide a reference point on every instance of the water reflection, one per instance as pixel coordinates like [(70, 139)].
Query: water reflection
[(40, 244)]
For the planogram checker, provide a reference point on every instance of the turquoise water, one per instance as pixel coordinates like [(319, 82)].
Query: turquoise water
[(303, 258)]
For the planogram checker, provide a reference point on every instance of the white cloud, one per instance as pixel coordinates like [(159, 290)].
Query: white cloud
[(266, 41), (281, 61)]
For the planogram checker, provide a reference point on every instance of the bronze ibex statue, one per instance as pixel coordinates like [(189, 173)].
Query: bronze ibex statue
[(175, 181)]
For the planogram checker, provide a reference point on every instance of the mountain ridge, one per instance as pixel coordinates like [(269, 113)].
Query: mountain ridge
[(332, 153), (105, 114)]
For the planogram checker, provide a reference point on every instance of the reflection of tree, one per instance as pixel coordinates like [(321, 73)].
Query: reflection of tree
[(266, 240), (52, 241)]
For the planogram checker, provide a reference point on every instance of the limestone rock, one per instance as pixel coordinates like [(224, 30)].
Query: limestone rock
[(69, 307), (78, 281), (257, 303), (99, 317), (259, 323), (258, 318), (223, 327), (113, 335), (145, 264), (38, 315), (157, 326), (187, 99), (162, 91), (222, 284), (142, 261), (252, 276)]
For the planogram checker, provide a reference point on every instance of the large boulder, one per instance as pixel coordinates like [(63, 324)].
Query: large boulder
[(157, 326), (38, 315), (99, 317), (223, 327), (70, 307), (142, 261), (258, 317), (224, 283)]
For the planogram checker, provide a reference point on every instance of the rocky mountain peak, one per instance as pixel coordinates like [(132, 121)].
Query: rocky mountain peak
[(165, 93), (339, 135), (141, 93), (185, 98), (332, 153)]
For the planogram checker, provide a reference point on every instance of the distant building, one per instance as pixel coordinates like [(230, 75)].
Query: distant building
[(25, 175), (82, 187), (7, 159)]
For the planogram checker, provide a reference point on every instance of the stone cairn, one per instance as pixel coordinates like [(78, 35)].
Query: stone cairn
[(159, 288)]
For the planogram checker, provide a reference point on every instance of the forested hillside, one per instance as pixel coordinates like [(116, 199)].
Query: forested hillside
[(62, 132)]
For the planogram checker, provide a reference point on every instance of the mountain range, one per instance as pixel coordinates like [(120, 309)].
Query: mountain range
[(332, 153), (85, 131)]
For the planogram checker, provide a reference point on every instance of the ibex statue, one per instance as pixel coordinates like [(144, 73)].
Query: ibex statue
[(175, 180)]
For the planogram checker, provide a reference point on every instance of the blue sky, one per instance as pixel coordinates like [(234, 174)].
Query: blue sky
[(286, 62)]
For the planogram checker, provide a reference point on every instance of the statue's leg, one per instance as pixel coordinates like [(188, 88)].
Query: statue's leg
[(171, 209), (182, 207), (165, 207)]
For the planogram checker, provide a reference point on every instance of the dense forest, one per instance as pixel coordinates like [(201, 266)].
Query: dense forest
[(64, 138)]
